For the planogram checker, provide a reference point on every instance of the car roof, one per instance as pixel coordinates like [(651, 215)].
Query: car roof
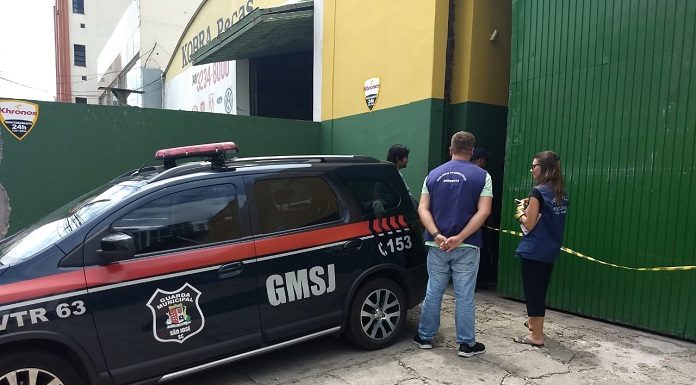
[(151, 174)]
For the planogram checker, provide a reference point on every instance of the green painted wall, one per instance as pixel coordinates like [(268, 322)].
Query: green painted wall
[(610, 86), (74, 148), (417, 125)]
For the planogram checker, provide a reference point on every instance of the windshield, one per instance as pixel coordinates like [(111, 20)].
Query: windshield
[(55, 226)]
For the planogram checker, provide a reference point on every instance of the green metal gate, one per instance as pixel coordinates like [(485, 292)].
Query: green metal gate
[(611, 87)]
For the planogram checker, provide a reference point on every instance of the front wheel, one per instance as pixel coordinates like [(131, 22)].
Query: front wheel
[(37, 368), (377, 314)]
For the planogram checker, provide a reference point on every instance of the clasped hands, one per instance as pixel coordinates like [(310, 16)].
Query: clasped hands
[(448, 243)]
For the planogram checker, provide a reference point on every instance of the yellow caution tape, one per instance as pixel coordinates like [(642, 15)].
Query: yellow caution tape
[(583, 256)]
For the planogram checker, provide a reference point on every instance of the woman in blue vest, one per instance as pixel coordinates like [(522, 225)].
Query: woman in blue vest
[(542, 217)]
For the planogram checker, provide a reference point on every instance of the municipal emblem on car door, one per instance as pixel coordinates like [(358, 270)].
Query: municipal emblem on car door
[(176, 315), (19, 117)]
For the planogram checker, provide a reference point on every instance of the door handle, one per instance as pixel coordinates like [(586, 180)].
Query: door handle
[(230, 270), (352, 246)]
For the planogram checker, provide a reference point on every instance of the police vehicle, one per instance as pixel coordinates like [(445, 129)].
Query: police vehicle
[(172, 269)]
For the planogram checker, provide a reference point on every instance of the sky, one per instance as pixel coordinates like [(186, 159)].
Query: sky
[(28, 53)]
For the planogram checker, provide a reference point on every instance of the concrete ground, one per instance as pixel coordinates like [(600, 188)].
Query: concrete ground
[(577, 351)]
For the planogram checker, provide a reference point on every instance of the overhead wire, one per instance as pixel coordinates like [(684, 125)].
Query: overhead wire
[(85, 93), (23, 85), (149, 52)]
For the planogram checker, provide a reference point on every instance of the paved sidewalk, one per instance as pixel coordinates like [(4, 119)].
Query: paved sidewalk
[(577, 351)]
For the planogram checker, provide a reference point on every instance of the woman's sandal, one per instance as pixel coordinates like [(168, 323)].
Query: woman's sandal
[(526, 324), (526, 341)]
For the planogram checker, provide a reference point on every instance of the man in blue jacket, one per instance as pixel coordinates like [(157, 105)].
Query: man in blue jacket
[(455, 202)]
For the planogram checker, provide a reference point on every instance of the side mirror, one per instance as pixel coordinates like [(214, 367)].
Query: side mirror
[(116, 247)]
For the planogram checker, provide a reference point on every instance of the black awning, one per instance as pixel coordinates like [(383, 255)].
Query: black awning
[(263, 32)]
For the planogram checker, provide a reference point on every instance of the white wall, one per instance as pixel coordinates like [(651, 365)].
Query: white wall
[(141, 45), (162, 22), (121, 47), (100, 18), (242, 93)]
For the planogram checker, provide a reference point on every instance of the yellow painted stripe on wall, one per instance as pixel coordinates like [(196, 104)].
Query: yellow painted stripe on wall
[(401, 42), (463, 30), (212, 18), (481, 65)]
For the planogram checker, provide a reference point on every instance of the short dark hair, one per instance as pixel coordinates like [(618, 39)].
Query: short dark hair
[(397, 152), (479, 152)]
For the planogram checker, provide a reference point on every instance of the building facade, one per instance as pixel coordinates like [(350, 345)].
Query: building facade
[(437, 68), (274, 83), (132, 60), (81, 29)]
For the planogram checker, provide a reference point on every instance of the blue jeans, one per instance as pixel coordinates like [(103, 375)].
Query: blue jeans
[(462, 265)]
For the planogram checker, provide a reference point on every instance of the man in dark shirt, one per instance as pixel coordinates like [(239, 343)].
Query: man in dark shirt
[(398, 154), (479, 157)]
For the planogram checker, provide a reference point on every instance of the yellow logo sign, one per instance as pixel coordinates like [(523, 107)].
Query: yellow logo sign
[(18, 117)]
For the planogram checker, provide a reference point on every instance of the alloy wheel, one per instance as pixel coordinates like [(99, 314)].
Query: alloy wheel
[(380, 314), (30, 376)]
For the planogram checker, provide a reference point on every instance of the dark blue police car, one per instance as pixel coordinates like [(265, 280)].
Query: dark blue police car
[(172, 269)]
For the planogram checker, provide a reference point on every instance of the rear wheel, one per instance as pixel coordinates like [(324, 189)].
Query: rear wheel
[(377, 314), (37, 368)]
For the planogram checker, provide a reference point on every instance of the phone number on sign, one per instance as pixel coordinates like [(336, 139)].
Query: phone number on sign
[(211, 74)]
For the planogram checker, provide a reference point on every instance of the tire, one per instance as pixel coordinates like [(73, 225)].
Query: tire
[(377, 314), (37, 368)]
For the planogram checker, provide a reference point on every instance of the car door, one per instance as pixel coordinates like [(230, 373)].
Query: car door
[(305, 250), (188, 295), (388, 213)]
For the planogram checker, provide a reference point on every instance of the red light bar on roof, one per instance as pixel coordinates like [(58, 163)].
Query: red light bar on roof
[(196, 150)]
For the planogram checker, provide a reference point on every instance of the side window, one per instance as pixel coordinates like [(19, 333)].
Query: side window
[(290, 203), (188, 218), (374, 196)]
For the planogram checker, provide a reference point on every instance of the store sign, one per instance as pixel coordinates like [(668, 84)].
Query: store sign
[(371, 92), (205, 88), (212, 19), (18, 117)]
